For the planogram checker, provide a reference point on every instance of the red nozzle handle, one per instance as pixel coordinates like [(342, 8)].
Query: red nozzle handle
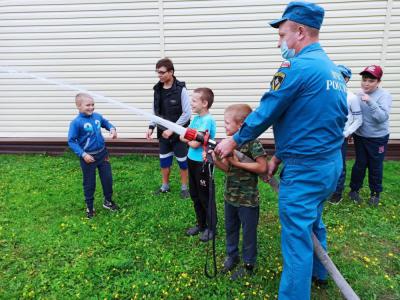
[(190, 134), (193, 135)]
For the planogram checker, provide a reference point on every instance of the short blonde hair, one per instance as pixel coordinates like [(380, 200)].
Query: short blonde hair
[(80, 97), (206, 95), (239, 112)]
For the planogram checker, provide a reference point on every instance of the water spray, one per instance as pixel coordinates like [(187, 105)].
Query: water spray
[(78, 88)]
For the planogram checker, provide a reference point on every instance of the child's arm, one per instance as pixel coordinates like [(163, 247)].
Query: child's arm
[(259, 166), (73, 139), (192, 144), (74, 145), (108, 126), (221, 164)]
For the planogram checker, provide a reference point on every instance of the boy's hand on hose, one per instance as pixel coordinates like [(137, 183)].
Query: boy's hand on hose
[(225, 147), (233, 159), (167, 134)]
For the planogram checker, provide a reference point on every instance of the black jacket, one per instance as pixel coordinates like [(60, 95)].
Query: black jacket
[(169, 108)]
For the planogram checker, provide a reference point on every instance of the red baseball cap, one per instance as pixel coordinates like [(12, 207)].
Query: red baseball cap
[(374, 70)]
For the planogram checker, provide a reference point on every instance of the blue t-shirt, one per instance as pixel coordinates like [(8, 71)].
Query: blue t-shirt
[(201, 123)]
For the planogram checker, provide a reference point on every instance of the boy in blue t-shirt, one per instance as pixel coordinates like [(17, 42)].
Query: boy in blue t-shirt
[(199, 179), (86, 141)]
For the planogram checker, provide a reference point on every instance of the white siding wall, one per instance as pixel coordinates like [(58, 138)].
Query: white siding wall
[(111, 47)]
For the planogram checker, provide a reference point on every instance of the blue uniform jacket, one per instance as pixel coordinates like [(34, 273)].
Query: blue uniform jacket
[(306, 105), (84, 135)]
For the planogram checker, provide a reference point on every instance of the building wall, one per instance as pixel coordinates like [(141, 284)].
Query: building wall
[(110, 47)]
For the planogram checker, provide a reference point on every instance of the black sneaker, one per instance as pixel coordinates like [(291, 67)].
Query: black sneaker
[(185, 194), (374, 199), (194, 230), (230, 263), (207, 235), (320, 283), (335, 198), (355, 196), (111, 205), (90, 214), (243, 271), (161, 191)]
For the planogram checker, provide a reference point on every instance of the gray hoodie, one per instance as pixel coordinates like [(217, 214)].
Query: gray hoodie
[(375, 114)]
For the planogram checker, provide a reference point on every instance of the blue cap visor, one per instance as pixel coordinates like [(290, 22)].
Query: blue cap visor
[(278, 22)]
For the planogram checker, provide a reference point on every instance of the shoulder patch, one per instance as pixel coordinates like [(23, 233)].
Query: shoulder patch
[(285, 64), (277, 80)]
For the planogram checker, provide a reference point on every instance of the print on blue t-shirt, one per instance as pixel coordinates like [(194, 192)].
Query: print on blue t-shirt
[(201, 123)]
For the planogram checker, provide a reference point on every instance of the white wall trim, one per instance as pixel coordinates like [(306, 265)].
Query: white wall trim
[(386, 32), (161, 22)]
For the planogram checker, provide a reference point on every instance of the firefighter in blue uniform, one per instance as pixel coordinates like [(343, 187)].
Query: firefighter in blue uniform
[(306, 105)]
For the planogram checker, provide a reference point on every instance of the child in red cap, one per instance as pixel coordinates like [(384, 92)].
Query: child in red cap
[(371, 138)]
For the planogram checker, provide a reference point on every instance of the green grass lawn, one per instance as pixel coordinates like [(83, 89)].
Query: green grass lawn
[(49, 250)]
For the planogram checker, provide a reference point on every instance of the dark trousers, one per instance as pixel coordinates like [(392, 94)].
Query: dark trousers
[(247, 218), (370, 153), (199, 183), (342, 178), (89, 177)]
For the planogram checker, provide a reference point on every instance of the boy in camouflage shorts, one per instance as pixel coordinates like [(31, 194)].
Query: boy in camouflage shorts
[(241, 195)]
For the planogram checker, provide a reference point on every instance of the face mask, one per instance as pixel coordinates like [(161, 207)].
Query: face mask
[(286, 52)]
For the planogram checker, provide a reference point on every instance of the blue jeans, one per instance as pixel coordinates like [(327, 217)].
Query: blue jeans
[(301, 199), (89, 177), (247, 218), (370, 153), (342, 178)]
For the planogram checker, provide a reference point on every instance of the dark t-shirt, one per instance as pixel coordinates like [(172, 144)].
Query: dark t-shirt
[(163, 96)]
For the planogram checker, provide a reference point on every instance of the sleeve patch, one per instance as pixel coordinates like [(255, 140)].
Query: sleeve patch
[(277, 80), (285, 64)]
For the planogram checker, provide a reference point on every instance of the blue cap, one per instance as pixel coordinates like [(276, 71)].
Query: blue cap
[(346, 71), (305, 13)]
